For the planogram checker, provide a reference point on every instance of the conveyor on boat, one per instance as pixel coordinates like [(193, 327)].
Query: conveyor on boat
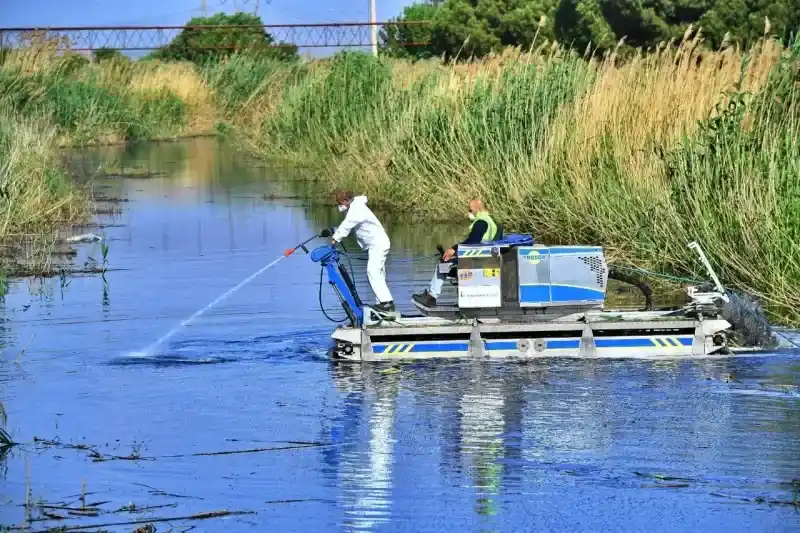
[(519, 299)]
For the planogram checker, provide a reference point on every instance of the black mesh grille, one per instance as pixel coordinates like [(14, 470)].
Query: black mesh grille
[(596, 266)]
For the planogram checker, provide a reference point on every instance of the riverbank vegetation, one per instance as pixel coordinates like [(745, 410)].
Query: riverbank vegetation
[(641, 156), (50, 100), (36, 195), (106, 101), (641, 152)]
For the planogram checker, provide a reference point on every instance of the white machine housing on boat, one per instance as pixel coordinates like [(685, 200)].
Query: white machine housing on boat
[(536, 276)]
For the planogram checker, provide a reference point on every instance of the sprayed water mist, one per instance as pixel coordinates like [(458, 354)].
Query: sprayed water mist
[(150, 350)]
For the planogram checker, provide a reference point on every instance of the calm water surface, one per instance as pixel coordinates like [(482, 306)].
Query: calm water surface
[(604, 445)]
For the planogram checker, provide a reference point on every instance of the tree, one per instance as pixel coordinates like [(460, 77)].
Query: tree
[(476, 27), (403, 41), (580, 24), (107, 54), (465, 28), (200, 44), (745, 20), (645, 23)]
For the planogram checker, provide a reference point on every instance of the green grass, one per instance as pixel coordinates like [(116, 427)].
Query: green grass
[(244, 83), (35, 194)]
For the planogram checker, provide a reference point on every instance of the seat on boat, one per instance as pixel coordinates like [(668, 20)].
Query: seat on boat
[(452, 275)]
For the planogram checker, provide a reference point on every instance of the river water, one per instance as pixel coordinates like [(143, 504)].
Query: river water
[(605, 445)]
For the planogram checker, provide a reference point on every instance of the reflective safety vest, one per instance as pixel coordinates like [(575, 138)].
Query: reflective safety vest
[(491, 232)]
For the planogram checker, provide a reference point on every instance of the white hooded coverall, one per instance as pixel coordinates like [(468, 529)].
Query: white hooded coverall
[(372, 238)]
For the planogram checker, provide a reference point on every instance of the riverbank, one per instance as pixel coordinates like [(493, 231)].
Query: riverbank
[(49, 101), (36, 195), (641, 157)]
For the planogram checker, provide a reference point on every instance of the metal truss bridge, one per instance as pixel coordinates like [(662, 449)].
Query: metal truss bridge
[(141, 38)]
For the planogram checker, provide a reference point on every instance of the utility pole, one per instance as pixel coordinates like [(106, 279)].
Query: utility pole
[(203, 7), (255, 9), (373, 27)]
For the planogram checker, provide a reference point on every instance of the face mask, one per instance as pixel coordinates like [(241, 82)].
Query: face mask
[(342, 208), (471, 216)]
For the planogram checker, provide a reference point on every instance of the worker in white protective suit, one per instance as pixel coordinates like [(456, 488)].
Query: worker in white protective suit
[(372, 238)]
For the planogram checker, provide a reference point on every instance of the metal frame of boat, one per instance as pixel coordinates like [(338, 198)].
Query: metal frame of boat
[(522, 300)]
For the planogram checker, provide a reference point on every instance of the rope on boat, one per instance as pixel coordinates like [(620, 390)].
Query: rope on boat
[(657, 274), (321, 306)]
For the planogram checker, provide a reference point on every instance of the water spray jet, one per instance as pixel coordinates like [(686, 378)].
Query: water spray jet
[(150, 350)]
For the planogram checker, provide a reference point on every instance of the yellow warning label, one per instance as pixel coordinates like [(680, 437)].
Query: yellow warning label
[(491, 272)]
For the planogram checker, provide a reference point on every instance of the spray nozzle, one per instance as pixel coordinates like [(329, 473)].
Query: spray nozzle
[(302, 245)]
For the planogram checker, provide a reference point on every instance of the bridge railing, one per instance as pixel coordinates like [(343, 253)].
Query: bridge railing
[(143, 38)]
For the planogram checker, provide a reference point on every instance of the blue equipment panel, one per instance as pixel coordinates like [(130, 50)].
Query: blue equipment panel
[(328, 257)]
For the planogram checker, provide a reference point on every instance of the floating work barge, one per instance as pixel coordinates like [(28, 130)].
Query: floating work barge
[(517, 299)]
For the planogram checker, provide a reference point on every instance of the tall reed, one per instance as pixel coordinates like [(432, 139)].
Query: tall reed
[(110, 101), (641, 156), (35, 194)]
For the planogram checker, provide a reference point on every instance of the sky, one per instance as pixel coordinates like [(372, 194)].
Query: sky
[(37, 13)]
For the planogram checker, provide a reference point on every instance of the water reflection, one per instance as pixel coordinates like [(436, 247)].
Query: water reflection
[(480, 423), (210, 170), (360, 460), (481, 431), (501, 431)]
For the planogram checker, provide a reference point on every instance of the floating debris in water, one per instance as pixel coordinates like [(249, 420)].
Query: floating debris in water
[(83, 238), (661, 477), (5, 438), (75, 509), (760, 499), (98, 457), (147, 523)]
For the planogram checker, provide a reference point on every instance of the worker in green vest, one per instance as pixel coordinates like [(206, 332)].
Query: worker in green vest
[(482, 229)]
